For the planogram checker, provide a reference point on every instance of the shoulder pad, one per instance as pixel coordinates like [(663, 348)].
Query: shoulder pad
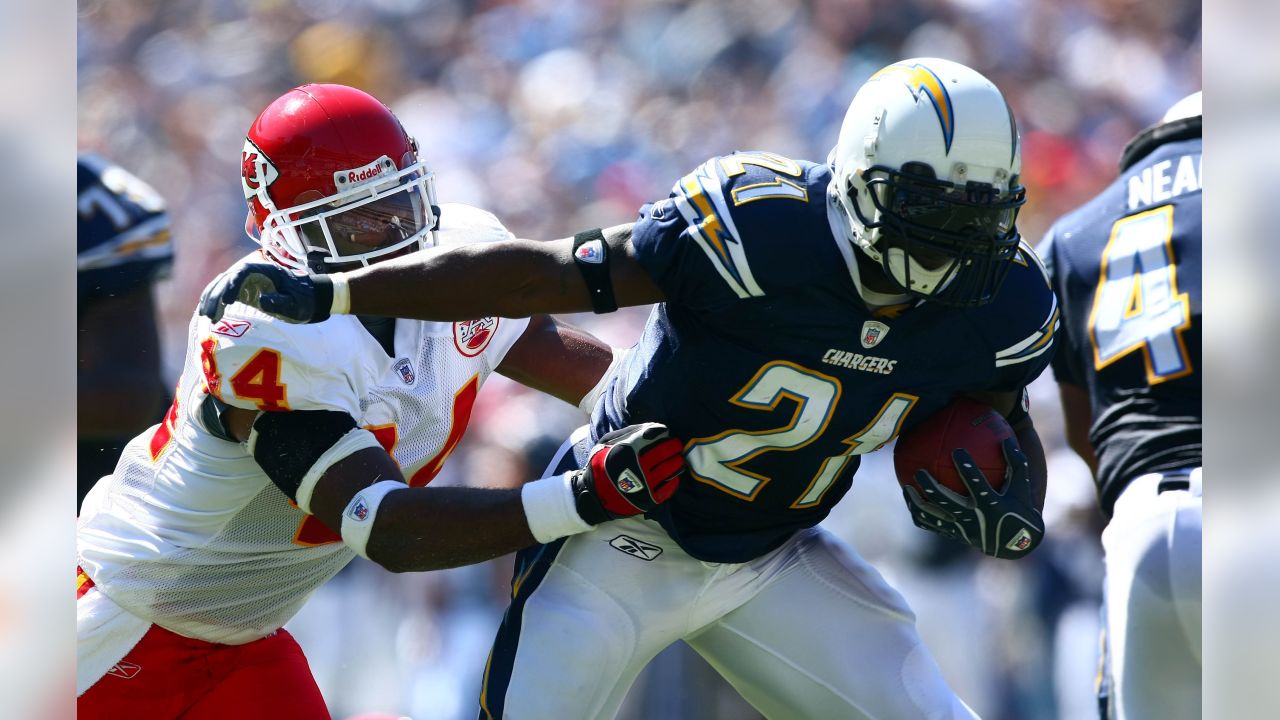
[(253, 361), (465, 225), (120, 218)]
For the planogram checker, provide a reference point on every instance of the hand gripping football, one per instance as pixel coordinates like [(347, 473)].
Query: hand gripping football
[(965, 423)]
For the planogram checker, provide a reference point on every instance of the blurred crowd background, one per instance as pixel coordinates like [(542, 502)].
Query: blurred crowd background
[(560, 115)]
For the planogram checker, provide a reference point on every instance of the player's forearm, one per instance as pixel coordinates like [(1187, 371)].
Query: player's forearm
[(437, 528), (515, 278), (1029, 441)]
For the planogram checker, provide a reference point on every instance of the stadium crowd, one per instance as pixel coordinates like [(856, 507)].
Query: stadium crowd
[(559, 115)]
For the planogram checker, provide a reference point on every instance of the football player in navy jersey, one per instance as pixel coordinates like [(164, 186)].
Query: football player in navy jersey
[(807, 313), (123, 246), (1127, 267)]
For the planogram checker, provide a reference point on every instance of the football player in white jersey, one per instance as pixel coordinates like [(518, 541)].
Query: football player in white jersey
[(290, 449)]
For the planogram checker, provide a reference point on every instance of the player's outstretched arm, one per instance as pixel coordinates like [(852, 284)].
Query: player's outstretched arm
[(404, 529), (513, 278), (340, 474)]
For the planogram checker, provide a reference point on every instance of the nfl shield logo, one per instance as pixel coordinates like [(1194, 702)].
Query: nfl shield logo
[(873, 332), (405, 368), (628, 483)]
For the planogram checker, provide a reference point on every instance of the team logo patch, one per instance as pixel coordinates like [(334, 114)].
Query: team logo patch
[(125, 670), (471, 337), (636, 548), (232, 327), (359, 510), (873, 332), (405, 368), (925, 83), (1021, 541), (590, 252), (628, 483), (256, 170)]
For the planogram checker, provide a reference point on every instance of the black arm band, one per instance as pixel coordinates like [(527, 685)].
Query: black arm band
[(591, 254), (290, 443)]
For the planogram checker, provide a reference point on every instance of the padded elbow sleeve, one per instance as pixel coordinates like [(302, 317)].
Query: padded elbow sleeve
[(295, 448)]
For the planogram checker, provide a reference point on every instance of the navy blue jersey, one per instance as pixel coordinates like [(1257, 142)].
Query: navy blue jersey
[(1127, 267), (767, 362), (122, 236)]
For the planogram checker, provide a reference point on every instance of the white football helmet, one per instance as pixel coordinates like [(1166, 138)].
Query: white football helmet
[(925, 174)]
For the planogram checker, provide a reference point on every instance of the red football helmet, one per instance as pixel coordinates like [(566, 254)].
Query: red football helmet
[(331, 177)]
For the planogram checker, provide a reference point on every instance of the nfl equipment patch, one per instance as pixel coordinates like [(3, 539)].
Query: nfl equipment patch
[(405, 369), (628, 483), (873, 332), (590, 252)]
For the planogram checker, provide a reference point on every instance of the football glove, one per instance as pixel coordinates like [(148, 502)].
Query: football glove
[(629, 472), (1000, 524), (273, 290)]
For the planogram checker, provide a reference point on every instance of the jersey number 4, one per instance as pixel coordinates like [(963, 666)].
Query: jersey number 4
[(718, 460), (1137, 305)]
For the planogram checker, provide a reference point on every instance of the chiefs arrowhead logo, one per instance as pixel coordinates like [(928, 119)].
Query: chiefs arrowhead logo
[(471, 337), (256, 170)]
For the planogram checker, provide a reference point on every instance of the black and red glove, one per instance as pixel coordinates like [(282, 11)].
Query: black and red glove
[(629, 472)]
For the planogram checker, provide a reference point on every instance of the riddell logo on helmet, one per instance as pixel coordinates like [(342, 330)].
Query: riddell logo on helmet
[(355, 176)]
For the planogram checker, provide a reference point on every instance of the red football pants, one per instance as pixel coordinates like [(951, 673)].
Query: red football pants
[(168, 676)]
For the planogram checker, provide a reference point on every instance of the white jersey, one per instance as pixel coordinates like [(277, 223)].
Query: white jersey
[(189, 533)]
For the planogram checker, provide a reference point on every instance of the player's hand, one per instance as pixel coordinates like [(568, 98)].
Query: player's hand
[(273, 290), (629, 472), (1000, 524)]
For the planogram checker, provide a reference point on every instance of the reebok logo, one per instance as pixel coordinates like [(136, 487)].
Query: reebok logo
[(124, 670), (636, 548)]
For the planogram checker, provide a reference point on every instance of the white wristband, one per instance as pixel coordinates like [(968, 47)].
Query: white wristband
[(588, 402), (341, 294), (550, 510), (359, 515)]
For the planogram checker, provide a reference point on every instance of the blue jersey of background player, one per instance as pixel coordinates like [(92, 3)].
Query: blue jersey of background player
[(123, 245), (1127, 267), (767, 361)]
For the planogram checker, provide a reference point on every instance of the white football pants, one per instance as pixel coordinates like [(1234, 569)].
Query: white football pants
[(1152, 601), (808, 631)]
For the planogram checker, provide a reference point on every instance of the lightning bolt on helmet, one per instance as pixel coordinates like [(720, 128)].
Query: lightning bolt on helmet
[(925, 177), (331, 177)]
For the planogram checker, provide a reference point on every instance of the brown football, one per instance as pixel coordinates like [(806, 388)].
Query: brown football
[(965, 423)]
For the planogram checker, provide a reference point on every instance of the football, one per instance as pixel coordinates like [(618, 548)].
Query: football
[(965, 423)]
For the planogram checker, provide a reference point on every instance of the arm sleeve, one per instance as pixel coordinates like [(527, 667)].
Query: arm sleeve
[(689, 245), (1028, 332)]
